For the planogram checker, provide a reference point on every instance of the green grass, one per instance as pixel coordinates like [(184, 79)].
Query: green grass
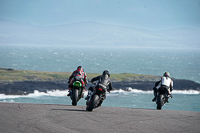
[(25, 75)]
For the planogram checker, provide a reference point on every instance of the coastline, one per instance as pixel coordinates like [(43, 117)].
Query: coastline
[(27, 87), (26, 82)]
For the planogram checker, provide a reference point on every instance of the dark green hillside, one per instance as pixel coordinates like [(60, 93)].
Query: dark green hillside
[(23, 82), (8, 74)]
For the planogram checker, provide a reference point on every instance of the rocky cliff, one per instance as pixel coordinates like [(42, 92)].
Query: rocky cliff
[(26, 87)]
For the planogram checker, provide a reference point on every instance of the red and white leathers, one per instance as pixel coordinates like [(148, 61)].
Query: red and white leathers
[(79, 75)]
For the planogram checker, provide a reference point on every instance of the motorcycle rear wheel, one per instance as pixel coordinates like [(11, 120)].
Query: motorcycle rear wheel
[(92, 103), (75, 97), (159, 102)]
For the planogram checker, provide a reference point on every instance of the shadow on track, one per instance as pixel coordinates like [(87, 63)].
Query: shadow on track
[(71, 110)]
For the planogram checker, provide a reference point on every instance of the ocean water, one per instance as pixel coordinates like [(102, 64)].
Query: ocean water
[(181, 63), (182, 100)]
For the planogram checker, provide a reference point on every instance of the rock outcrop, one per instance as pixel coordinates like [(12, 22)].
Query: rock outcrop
[(26, 87)]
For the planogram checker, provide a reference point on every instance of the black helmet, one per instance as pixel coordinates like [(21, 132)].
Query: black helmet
[(166, 74), (106, 72)]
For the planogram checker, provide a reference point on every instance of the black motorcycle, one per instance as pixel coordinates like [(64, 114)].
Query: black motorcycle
[(77, 92), (96, 99), (162, 97)]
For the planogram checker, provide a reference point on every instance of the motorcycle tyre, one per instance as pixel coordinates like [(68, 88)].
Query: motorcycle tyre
[(75, 97), (92, 104), (159, 102)]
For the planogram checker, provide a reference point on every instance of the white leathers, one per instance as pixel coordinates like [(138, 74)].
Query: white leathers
[(166, 81)]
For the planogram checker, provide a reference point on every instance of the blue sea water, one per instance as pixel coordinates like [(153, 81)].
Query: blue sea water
[(181, 63), (182, 100)]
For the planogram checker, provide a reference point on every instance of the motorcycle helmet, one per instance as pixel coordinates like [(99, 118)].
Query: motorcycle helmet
[(106, 72), (166, 74), (80, 68)]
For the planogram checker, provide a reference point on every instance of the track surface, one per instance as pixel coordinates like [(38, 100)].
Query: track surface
[(40, 118)]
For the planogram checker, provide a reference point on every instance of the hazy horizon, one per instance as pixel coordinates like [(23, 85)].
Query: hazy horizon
[(145, 14), (90, 33), (155, 23)]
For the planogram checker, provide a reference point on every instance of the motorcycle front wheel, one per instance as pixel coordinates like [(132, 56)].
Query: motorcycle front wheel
[(74, 97), (92, 103)]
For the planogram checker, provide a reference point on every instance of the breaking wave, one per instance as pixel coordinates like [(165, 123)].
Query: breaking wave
[(58, 93), (146, 92)]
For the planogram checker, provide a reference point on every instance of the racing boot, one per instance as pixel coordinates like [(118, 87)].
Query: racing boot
[(87, 97), (69, 94), (169, 96), (82, 96), (89, 94), (167, 100), (155, 94), (154, 99)]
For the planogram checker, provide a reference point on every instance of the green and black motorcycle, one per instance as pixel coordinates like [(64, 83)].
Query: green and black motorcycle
[(77, 92)]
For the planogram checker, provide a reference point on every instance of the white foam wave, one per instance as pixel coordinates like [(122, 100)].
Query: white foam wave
[(185, 92), (36, 94), (130, 90), (62, 93)]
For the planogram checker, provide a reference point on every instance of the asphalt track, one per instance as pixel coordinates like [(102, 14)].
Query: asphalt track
[(49, 118)]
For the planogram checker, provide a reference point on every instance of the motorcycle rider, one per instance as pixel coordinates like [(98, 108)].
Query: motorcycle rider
[(103, 82), (166, 84), (77, 75)]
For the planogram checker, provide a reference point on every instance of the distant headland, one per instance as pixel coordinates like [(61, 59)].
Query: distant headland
[(23, 82)]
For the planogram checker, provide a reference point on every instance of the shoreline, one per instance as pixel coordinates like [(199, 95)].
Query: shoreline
[(27, 87), (24, 82)]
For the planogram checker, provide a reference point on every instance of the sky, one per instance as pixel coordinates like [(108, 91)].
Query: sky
[(146, 14)]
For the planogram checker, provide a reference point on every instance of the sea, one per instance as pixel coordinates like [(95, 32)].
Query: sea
[(181, 63)]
